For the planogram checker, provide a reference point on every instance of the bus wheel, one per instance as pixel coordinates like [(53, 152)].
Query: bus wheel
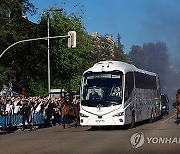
[(152, 117), (132, 124)]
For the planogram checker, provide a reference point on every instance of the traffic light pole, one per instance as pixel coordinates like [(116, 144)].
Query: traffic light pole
[(71, 43), (29, 40), (49, 79), (35, 39)]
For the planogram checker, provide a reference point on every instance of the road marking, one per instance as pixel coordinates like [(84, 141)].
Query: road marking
[(169, 118)]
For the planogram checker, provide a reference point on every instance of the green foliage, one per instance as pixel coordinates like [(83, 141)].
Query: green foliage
[(36, 88), (119, 50), (5, 75), (66, 64), (26, 64), (106, 49), (17, 6), (29, 60), (12, 29)]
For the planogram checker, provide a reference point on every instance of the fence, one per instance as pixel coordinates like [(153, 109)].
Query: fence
[(8, 121)]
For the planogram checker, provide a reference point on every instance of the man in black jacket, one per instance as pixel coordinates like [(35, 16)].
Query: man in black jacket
[(25, 113), (93, 95)]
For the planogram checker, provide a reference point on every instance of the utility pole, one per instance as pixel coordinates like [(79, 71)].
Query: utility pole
[(48, 52), (49, 79)]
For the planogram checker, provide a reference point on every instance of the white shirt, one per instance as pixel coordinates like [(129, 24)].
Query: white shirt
[(16, 109), (38, 108), (9, 108), (116, 94)]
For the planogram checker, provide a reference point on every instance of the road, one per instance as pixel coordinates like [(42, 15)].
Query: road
[(86, 140)]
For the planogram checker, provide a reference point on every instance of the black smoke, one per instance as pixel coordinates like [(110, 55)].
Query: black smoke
[(161, 22)]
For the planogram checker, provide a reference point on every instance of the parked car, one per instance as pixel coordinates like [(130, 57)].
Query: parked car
[(164, 104)]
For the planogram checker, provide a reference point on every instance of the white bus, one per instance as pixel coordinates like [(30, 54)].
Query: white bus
[(138, 95)]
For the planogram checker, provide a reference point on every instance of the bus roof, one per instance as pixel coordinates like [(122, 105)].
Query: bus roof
[(108, 66)]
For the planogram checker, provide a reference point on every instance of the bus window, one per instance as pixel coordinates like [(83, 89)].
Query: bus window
[(129, 84), (104, 85), (145, 81)]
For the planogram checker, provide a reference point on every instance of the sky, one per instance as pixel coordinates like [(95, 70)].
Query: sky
[(137, 21)]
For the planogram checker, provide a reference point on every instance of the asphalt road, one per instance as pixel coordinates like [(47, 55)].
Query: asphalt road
[(102, 140)]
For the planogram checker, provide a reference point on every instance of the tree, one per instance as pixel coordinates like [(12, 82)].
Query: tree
[(153, 57), (156, 56), (118, 52), (67, 64), (136, 55), (104, 47), (26, 63), (12, 29)]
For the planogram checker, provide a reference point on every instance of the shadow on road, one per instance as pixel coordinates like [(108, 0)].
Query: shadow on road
[(7, 131), (125, 127), (110, 128)]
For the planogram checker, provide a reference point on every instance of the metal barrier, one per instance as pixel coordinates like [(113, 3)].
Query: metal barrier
[(37, 119), (1, 122), (15, 120)]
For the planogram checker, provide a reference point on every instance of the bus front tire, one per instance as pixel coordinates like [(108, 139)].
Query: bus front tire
[(152, 117)]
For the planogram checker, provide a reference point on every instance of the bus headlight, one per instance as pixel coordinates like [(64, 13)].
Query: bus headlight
[(118, 114), (83, 115)]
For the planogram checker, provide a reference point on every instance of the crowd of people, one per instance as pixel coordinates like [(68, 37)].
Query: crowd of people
[(49, 107)]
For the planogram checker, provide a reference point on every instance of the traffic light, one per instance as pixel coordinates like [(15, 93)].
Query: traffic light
[(72, 39)]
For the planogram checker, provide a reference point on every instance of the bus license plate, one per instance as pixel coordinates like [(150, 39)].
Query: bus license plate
[(100, 120)]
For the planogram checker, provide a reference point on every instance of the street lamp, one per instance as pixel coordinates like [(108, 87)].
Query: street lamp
[(49, 78)]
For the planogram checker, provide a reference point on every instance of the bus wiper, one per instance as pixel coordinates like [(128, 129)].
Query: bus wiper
[(115, 103)]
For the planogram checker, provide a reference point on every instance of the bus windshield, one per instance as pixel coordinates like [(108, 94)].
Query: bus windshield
[(102, 88)]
